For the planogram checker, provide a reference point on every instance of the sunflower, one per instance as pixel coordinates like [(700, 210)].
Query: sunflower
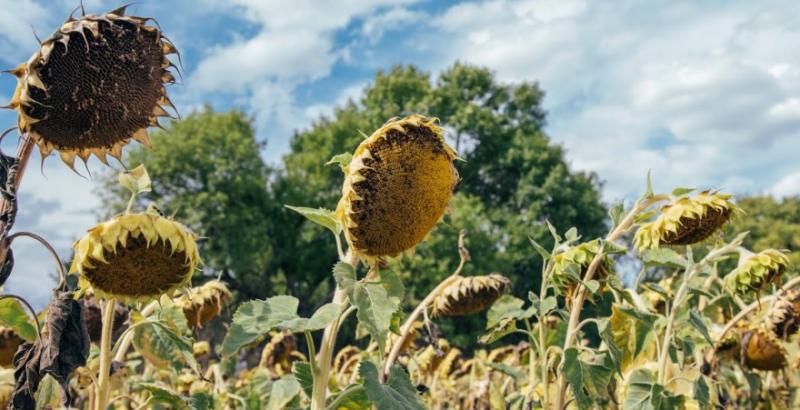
[(469, 295), (397, 187), (761, 350), (757, 271), (203, 303), (136, 256), (95, 84), (686, 221)]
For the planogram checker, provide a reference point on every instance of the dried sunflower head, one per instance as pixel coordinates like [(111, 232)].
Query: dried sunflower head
[(203, 303), (761, 350), (279, 354), (136, 256), (757, 271), (95, 84), (569, 267), (9, 343), (468, 295), (397, 187), (686, 221)]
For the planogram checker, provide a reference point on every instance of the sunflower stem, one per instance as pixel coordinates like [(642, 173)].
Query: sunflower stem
[(103, 383), (325, 355)]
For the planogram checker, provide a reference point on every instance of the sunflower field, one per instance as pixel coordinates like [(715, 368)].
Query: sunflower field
[(399, 288)]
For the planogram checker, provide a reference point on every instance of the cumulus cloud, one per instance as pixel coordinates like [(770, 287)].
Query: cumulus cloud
[(787, 186)]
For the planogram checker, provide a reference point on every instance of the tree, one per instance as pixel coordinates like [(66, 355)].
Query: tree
[(772, 223), (207, 170)]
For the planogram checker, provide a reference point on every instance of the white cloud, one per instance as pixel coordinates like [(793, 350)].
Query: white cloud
[(722, 81), (789, 185), (396, 18)]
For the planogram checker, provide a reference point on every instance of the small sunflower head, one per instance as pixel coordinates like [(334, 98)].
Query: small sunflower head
[(783, 316), (468, 295), (397, 187), (9, 343), (203, 303), (137, 256), (569, 266), (757, 271), (279, 354), (686, 221), (95, 84)]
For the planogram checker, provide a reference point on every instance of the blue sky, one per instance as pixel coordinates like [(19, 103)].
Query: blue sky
[(704, 93)]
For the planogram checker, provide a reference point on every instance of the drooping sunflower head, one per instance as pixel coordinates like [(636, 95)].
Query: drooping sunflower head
[(569, 266), (783, 316), (203, 303), (397, 187), (686, 221), (757, 271), (761, 350), (279, 354), (95, 84), (468, 295), (136, 256), (9, 343)]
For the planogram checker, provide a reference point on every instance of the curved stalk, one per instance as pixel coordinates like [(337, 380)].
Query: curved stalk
[(103, 379), (61, 274), (409, 324)]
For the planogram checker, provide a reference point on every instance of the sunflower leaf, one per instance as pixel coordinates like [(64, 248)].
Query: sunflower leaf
[(13, 315), (321, 216), (283, 391), (397, 394)]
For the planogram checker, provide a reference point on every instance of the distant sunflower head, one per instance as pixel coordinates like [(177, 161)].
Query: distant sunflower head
[(95, 84), (203, 303), (686, 221), (570, 266), (761, 350), (9, 343), (468, 295), (757, 271), (279, 354), (135, 256), (397, 187)]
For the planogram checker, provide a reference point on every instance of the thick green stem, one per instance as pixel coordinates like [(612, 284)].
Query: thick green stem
[(103, 387)]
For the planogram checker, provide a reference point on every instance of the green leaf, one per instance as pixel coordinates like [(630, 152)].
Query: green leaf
[(586, 379), (375, 308), (345, 275), (548, 305), (201, 401), (571, 235), (617, 212), (322, 217), (648, 193), (681, 191), (136, 180), (161, 394), (343, 160), (697, 322), (504, 327), (255, 318), (283, 391), (539, 248), (302, 372), (553, 231), (162, 345), (13, 315), (607, 335), (592, 285), (394, 286), (506, 306), (397, 394), (645, 394), (354, 398), (664, 257), (631, 329), (326, 314), (702, 393), (49, 394)]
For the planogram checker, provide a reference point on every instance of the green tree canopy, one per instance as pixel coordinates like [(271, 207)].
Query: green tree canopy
[(772, 223)]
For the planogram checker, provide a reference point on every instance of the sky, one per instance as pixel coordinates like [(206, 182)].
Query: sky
[(704, 93)]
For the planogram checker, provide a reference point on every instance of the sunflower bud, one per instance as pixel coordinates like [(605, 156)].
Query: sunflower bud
[(135, 257), (397, 187), (686, 221), (570, 266), (95, 84), (757, 271), (468, 295)]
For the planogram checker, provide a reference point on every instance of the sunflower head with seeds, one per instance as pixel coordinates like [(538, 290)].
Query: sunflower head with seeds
[(136, 256), (203, 303), (686, 221), (95, 84), (757, 271), (397, 187), (468, 295)]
